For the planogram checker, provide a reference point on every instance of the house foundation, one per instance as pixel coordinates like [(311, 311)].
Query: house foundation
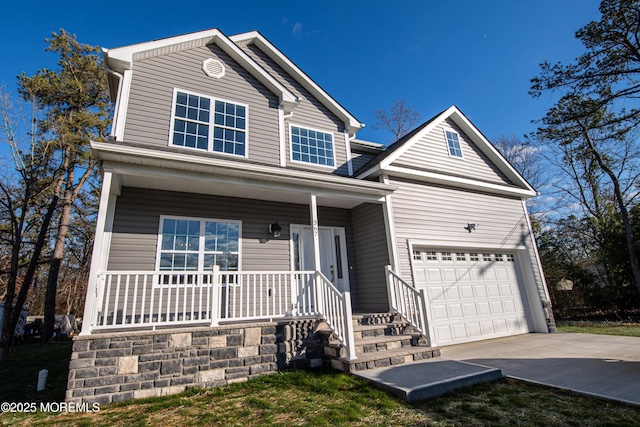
[(112, 367)]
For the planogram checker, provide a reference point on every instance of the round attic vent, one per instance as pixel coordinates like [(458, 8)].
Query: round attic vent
[(213, 68)]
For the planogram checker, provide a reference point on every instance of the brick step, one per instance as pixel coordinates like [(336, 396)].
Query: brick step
[(374, 318), (381, 359), (388, 342), (382, 329)]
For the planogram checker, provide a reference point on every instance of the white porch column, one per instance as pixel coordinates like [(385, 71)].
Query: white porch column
[(313, 207), (390, 229), (100, 253)]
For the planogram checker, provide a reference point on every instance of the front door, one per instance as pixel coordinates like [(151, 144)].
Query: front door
[(333, 253)]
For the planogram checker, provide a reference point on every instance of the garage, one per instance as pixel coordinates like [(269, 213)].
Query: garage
[(471, 295)]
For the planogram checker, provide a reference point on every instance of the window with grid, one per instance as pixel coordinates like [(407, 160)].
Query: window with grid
[(474, 256), (193, 120), (454, 144), (311, 146), (188, 244)]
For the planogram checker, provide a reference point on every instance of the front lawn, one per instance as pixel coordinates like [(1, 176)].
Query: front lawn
[(604, 328)]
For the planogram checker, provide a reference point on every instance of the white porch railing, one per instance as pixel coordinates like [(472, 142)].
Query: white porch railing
[(335, 309), (129, 299), (408, 302)]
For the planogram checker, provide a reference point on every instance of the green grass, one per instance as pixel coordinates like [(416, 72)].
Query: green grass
[(301, 398), (328, 398), (604, 328)]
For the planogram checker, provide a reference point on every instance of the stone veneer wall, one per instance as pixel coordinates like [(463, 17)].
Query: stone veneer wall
[(120, 366)]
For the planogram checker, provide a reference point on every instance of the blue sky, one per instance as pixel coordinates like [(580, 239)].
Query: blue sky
[(478, 55)]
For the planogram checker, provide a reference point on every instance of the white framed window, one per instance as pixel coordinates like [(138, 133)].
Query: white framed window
[(473, 256), (208, 123), (453, 144), (311, 146), (446, 256), (417, 255), (431, 255), (197, 244)]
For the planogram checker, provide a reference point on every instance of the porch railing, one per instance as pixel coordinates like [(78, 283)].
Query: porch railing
[(334, 308), (149, 299), (407, 301), (130, 299)]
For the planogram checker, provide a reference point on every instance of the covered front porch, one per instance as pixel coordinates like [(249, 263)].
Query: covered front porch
[(295, 244)]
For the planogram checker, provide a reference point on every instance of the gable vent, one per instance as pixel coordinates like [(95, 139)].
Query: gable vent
[(213, 68)]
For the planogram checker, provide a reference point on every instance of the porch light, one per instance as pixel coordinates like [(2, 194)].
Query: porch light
[(470, 227), (275, 229)]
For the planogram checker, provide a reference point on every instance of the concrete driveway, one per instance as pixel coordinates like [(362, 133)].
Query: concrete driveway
[(600, 365)]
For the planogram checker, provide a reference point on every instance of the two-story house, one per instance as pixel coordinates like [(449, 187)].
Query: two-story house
[(237, 198)]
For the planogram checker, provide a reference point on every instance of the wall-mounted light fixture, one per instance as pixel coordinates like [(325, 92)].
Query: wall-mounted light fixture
[(275, 229), (470, 227)]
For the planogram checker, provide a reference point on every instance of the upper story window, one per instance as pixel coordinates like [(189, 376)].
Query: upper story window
[(454, 144), (311, 146), (209, 124)]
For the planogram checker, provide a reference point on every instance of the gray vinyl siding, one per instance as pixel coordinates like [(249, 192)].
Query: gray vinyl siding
[(309, 113), (154, 79), (371, 256), (432, 213), (431, 153), (137, 218)]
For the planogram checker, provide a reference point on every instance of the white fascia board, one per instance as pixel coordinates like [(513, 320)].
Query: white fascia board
[(488, 149), (178, 161), (122, 58), (353, 125), (459, 182), (472, 132), (417, 137)]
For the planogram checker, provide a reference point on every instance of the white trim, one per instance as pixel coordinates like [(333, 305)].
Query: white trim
[(122, 58), (448, 244), (173, 163), (390, 229), (313, 216), (532, 236), (210, 144), (101, 247), (333, 146), (351, 123), (474, 135), (122, 104), (446, 142), (282, 138), (201, 251), (455, 181), (347, 148)]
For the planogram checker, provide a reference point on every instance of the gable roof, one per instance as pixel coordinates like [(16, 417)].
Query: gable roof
[(254, 37), (382, 163), (120, 59)]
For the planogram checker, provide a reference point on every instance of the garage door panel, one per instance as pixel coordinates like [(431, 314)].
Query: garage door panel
[(466, 292), (455, 311), (439, 312), (452, 293), (471, 296)]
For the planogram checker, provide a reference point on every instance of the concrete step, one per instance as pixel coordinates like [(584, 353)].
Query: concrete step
[(426, 379)]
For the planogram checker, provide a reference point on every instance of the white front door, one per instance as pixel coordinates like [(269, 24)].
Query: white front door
[(333, 253)]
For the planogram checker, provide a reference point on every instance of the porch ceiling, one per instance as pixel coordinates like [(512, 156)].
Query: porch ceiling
[(154, 169)]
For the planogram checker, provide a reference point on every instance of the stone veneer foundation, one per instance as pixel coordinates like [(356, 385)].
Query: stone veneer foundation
[(111, 367)]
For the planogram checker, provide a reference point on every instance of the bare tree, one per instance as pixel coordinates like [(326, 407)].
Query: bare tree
[(400, 119)]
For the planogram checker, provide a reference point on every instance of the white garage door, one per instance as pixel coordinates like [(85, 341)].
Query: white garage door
[(471, 295)]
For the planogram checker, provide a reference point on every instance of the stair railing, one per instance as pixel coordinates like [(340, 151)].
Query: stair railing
[(408, 302)]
